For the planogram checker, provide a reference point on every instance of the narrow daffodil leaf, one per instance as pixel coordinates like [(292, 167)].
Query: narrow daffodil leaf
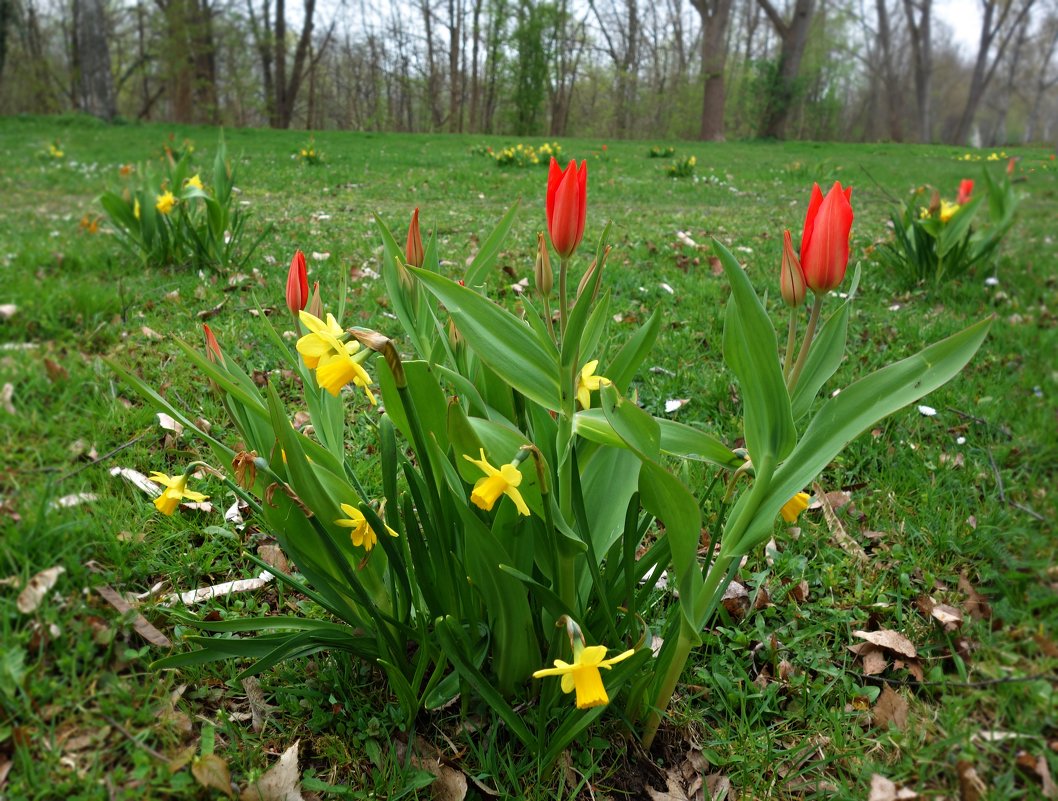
[(490, 248)]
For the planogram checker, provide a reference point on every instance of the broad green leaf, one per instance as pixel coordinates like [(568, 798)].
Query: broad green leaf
[(824, 356), (426, 396), (751, 352), (858, 407), (679, 439), (953, 231), (631, 423), (505, 343), (490, 248), (623, 367)]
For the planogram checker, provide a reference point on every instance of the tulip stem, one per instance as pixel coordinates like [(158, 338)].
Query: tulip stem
[(563, 269), (810, 333), (547, 316), (791, 343)]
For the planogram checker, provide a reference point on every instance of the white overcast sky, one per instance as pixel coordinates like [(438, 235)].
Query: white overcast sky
[(964, 19)]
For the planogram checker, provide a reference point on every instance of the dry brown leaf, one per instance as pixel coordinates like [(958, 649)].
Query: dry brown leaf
[(837, 530), (874, 659), (150, 333), (212, 772), (450, 784), (799, 591), (7, 311), (891, 707), (6, 394), (206, 314), (258, 706), (976, 604), (5, 768), (882, 789), (736, 600), (947, 616), (56, 372), (890, 640), (282, 782), (971, 787), (273, 555), (1038, 769), (674, 790), (167, 423), (39, 586), (143, 626)]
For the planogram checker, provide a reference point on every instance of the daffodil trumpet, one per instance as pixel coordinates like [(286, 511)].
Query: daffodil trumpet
[(582, 674)]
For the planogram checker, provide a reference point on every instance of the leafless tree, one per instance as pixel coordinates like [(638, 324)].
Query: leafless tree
[(716, 17), (919, 14), (793, 35)]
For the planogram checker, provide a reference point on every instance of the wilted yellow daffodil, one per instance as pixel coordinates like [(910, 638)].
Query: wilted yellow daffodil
[(175, 491), (588, 382), (194, 181), (362, 535), (165, 203), (583, 675), (793, 507), (496, 482), (322, 340)]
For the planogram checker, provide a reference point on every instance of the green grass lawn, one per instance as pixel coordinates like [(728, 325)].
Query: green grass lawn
[(949, 507)]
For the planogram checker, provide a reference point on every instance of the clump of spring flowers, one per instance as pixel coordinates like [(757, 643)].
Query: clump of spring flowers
[(309, 153), (659, 152), (682, 168), (520, 155)]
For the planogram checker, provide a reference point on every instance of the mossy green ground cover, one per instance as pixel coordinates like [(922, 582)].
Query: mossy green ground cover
[(945, 506)]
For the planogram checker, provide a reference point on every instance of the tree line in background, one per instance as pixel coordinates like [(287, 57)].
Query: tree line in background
[(709, 69)]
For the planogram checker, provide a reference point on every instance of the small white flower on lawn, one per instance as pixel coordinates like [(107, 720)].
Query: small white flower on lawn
[(960, 440)]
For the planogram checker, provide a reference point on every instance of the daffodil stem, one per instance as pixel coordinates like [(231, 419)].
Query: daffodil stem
[(810, 332), (791, 343), (563, 311), (684, 644)]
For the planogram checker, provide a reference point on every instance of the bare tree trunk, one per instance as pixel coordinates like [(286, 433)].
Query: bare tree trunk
[(475, 78), (794, 36), (920, 30), (456, 13), (96, 83), (892, 94), (1044, 82), (1004, 26), (716, 18)]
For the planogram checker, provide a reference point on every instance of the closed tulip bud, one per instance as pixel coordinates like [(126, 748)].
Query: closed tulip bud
[(791, 279), (825, 241), (545, 279), (934, 203), (413, 250), (588, 279), (1011, 164), (315, 304), (567, 195), (213, 352), (966, 188), (297, 284)]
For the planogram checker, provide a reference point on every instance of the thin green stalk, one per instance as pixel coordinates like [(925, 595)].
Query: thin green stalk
[(791, 343), (547, 316), (810, 333)]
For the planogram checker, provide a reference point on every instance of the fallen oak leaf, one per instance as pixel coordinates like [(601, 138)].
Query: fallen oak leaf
[(282, 782), (39, 586), (891, 708)]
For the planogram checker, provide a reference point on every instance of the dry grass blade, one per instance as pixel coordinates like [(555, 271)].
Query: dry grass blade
[(837, 530)]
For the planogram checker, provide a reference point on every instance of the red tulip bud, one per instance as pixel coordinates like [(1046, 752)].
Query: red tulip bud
[(566, 206), (966, 188), (297, 284), (825, 241), (1011, 164), (213, 352), (413, 250), (791, 279)]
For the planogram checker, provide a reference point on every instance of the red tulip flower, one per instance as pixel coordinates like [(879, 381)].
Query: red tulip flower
[(825, 241), (567, 194), (966, 188), (297, 284), (213, 352)]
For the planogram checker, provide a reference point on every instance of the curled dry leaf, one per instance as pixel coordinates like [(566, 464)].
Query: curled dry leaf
[(675, 404), (7, 311), (837, 530), (69, 501), (39, 586), (947, 616), (736, 600), (282, 782), (218, 590), (890, 640), (138, 480), (167, 423), (971, 786), (976, 604)]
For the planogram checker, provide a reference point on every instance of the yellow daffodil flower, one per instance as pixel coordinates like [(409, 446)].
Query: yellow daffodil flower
[(175, 491), (322, 340), (337, 369), (362, 535), (793, 507), (588, 382), (496, 482), (136, 209), (194, 181), (165, 203), (55, 152), (583, 675), (947, 210)]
